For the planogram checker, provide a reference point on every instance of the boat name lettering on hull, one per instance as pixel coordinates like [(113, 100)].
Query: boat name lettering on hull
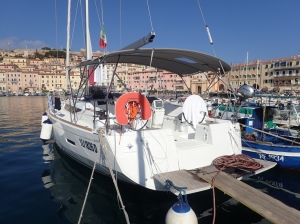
[(88, 145), (276, 158)]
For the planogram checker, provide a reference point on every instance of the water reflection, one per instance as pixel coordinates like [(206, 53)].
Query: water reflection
[(20, 121), (67, 182), (282, 184)]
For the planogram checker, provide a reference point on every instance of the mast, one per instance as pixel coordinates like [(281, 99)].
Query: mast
[(87, 32), (87, 42), (68, 46)]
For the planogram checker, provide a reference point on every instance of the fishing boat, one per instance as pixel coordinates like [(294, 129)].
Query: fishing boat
[(139, 140), (263, 139)]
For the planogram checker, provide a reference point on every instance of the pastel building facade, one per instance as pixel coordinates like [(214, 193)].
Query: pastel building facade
[(282, 74)]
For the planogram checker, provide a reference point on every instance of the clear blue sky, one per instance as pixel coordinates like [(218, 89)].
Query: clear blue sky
[(266, 29)]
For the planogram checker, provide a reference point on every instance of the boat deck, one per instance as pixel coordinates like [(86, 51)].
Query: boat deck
[(190, 180)]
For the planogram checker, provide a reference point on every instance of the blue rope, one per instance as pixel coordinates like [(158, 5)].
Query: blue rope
[(181, 190)]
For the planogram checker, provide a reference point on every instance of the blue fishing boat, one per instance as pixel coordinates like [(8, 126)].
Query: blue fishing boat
[(263, 140), (261, 137)]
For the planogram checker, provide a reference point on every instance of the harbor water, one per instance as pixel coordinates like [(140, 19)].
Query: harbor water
[(39, 184)]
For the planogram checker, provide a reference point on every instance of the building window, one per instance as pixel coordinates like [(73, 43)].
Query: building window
[(290, 72), (283, 72), (266, 73), (266, 66)]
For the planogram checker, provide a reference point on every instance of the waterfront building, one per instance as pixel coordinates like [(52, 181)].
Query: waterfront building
[(20, 62), (282, 74), (3, 85), (144, 78), (249, 74)]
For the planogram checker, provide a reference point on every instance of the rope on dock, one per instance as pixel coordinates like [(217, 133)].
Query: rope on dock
[(239, 161), (104, 149)]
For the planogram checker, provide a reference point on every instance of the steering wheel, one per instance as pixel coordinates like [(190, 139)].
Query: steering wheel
[(201, 113)]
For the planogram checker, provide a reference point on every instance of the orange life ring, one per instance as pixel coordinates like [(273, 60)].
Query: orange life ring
[(127, 107)]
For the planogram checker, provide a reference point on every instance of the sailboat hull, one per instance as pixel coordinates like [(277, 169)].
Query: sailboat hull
[(126, 157), (83, 146)]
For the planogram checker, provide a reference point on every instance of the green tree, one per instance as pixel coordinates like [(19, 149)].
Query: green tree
[(54, 54)]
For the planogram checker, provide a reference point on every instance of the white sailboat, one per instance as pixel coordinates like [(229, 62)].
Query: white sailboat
[(145, 141)]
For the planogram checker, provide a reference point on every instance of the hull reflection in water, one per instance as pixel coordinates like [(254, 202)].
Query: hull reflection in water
[(67, 182), (282, 184)]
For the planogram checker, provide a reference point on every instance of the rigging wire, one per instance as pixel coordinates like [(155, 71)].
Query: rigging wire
[(207, 29), (98, 11), (211, 43), (149, 15), (120, 24), (56, 29), (82, 23), (74, 24)]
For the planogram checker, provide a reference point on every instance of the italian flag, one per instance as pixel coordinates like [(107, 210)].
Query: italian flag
[(102, 41)]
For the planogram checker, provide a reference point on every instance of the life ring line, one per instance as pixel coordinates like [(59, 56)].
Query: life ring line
[(123, 116)]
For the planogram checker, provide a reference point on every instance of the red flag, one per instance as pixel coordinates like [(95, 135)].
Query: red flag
[(102, 41)]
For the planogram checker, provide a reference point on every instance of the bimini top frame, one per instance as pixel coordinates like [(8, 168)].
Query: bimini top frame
[(178, 61)]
